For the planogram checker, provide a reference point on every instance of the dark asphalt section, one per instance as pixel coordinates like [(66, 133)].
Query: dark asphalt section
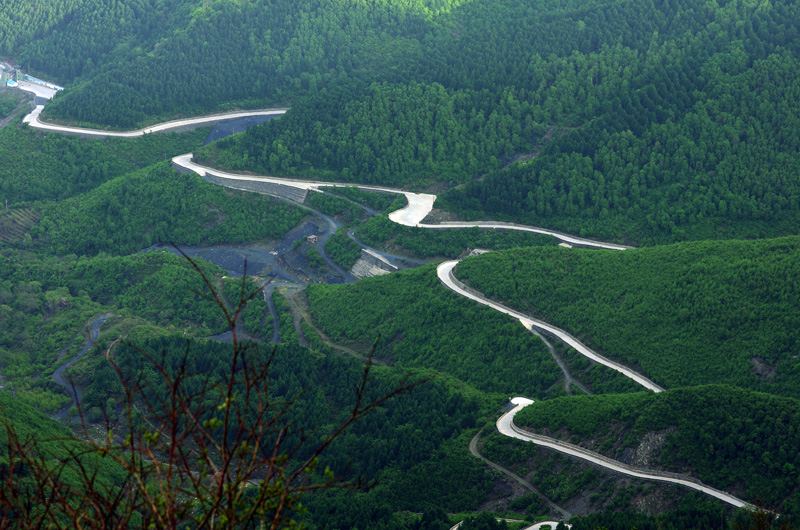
[(227, 128), (94, 332)]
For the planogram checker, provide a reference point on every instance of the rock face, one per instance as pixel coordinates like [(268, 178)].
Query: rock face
[(371, 264), (291, 193), (297, 195), (648, 454)]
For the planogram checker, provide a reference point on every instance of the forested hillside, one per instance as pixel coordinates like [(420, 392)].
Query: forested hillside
[(30, 425), (719, 167), (398, 439), (684, 314), (388, 134), (686, 129), (380, 232), (24, 20), (157, 205), (54, 167), (154, 58), (417, 322), (47, 302), (648, 123), (733, 439), (668, 124)]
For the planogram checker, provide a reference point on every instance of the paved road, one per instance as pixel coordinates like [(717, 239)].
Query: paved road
[(535, 526), (38, 90), (47, 93), (507, 427), (418, 207), (445, 272), (32, 119), (419, 204), (572, 240)]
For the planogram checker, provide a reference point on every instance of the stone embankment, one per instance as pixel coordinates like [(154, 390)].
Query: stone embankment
[(274, 189), (371, 264)]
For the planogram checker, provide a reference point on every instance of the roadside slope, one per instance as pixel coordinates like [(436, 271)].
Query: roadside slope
[(685, 314)]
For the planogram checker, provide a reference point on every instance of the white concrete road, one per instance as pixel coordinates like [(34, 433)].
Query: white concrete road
[(445, 272), (419, 206), (33, 120), (572, 240), (541, 524), (535, 526), (507, 427), (38, 90)]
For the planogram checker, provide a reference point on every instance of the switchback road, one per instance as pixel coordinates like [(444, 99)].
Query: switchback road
[(418, 207), (507, 427)]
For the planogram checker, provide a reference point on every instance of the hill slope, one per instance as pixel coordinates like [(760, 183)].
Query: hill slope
[(685, 314), (733, 439)]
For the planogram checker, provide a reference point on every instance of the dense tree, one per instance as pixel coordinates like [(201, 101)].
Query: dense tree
[(418, 322), (683, 314), (158, 205), (733, 439)]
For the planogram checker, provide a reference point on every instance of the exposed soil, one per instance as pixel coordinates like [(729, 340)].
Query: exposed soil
[(230, 127), (17, 222)]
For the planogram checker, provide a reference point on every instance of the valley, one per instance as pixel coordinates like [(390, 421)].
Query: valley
[(568, 246)]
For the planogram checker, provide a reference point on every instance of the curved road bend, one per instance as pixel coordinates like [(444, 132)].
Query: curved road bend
[(535, 526), (473, 448), (47, 93), (58, 376), (419, 205), (445, 273), (33, 120), (507, 427)]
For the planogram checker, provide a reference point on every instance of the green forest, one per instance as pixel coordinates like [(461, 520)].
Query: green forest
[(52, 167), (157, 205), (734, 439), (686, 314), (416, 322), (669, 125), (382, 233)]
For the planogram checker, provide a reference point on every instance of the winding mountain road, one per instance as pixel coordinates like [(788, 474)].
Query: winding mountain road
[(418, 207), (33, 120), (507, 427), (445, 272)]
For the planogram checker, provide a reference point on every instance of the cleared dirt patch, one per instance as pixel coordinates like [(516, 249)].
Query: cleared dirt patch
[(17, 222)]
